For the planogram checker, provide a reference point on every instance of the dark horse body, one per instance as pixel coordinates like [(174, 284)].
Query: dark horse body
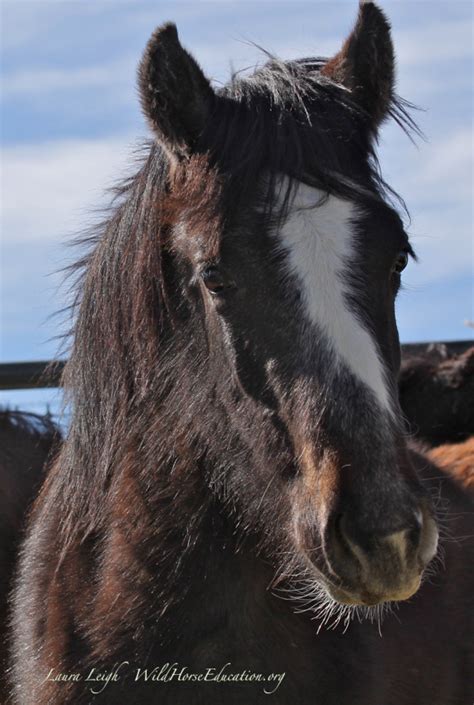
[(26, 441), (236, 435), (436, 393)]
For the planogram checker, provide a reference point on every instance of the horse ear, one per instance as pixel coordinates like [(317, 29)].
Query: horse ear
[(175, 95), (366, 63)]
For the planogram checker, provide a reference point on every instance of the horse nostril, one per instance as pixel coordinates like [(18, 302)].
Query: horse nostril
[(418, 518), (404, 541), (349, 537), (422, 538), (428, 542), (351, 533), (415, 531), (343, 533), (348, 555), (338, 534)]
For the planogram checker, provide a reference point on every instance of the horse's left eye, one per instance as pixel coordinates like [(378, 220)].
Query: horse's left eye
[(401, 262)]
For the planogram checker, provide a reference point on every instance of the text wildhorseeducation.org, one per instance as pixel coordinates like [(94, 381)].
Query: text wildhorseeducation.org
[(98, 679)]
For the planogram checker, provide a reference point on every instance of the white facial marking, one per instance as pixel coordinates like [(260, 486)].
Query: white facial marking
[(318, 237)]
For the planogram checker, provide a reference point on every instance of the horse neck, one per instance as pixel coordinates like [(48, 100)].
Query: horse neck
[(145, 513), (166, 546)]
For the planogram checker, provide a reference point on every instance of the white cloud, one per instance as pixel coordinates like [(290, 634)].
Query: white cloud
[(118, 76), (437, 183), (419, 49), (23, 21), (33, 82), (434, 43), (46, 189), (451, 164)]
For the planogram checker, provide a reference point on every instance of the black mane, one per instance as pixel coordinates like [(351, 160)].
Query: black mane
[(289, 118)]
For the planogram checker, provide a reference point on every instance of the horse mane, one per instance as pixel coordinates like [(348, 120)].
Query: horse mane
[(287, 123), (128, 357)]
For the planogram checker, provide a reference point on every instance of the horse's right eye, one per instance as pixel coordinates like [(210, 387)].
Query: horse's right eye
[(401, 262)]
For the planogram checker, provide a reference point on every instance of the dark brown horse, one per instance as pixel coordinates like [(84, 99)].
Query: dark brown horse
[(26, 442), (436, 395), (236, 437)]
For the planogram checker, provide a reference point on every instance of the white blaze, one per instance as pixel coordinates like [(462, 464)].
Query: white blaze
[(318, 236)]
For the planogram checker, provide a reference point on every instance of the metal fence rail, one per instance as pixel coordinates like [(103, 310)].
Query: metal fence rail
[(449, 348), (47, 373), (31, 375)]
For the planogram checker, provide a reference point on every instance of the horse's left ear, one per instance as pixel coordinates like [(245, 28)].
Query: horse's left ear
[(366, 63)]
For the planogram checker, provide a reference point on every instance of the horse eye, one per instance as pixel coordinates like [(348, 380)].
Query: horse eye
[(401, 262), (213, 280)]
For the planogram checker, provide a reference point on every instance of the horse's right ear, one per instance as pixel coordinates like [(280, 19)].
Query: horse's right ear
[(175, 95)]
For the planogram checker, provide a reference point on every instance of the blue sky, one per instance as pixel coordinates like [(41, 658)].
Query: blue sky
[(70, 119)]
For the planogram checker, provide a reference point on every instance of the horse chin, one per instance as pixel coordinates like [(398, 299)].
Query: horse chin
[(354, 599), (365, 598), (345, 598), (358, 596)]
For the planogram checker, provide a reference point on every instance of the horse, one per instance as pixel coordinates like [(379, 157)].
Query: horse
[(26, 442), (436, 392), (236, 509), (457, 459)]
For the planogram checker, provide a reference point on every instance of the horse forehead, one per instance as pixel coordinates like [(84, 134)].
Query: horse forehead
[(318, 237)]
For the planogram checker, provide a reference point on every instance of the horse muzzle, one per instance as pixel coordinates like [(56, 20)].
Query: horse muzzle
[(368, 569)]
